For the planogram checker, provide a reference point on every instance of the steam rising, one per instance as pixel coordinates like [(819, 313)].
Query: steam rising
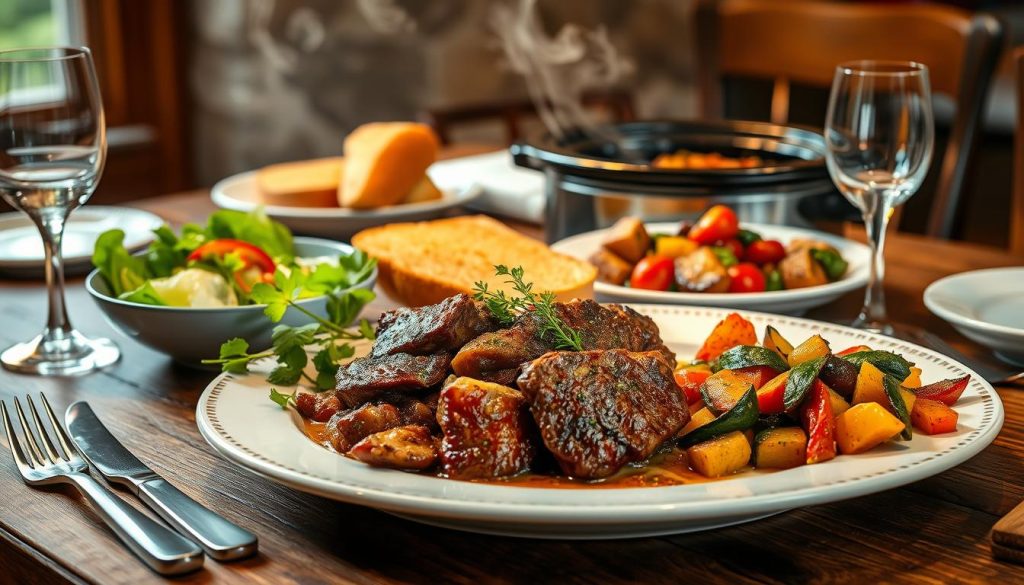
[(559, 69)]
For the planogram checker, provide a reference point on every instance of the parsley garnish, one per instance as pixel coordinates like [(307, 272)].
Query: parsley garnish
[(327, 338), (506, 308)]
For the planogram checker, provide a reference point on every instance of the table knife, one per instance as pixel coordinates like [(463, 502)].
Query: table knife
[(221, 539)]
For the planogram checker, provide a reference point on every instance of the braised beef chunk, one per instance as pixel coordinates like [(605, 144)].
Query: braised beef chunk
[(414, 412), (443, 327), (493, 355), (345, 429), (364, 379), (599, 410), (407, 447), (496, 356), (487, 430), (319, 407)]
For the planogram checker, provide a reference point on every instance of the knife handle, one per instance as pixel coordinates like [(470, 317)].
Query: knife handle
[(221, 539)]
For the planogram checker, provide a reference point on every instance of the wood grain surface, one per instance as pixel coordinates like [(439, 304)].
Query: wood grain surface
[(933, 531)]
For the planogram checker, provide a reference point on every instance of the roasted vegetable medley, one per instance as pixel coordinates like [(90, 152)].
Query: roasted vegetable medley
[(776, 405), (714, 255)]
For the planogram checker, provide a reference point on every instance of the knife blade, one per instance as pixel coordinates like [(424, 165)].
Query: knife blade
[(220, 538)]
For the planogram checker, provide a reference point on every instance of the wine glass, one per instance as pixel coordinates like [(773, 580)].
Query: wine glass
[(52, 149), (879, 136)]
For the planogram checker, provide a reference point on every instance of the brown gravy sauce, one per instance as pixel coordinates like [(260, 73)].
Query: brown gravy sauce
[(665, 468)]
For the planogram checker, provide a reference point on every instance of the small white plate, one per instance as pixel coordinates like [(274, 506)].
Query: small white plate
[(236, 417), (21, 248), (788, 302), (241, 192), (987, 306)]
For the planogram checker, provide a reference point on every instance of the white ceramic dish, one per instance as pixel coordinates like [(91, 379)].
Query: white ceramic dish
[(240, 192), (788, 302), (21, 248), (190, 335), (987, 306), (236, 417)]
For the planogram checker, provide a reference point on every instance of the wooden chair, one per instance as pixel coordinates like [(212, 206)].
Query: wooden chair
[(1017, 209), (802, 41), (618, 105)]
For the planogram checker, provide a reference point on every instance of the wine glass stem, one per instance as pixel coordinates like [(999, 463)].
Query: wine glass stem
[(51, 228), (876, 220)]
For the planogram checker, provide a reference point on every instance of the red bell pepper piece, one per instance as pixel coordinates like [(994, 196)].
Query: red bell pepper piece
[(945, 391), (770, 396), (253, 260), (853, 349), (690, 380), (816, 415)]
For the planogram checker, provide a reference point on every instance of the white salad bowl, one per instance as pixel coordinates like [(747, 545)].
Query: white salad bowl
[(190, 335)]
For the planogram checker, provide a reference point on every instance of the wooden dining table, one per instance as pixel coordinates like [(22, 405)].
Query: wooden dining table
[(932, 531)]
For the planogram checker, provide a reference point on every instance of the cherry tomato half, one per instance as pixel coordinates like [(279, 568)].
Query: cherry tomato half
[(745, 278), (653, 273), (764, 252), (717, 223), (257, 266)]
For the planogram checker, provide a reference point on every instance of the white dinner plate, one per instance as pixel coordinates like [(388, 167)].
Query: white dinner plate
[(241, 192), (789, 302), (987, 306), (237, 418), (21, 248)]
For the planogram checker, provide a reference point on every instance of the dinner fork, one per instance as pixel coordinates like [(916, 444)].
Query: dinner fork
[(40, 463)]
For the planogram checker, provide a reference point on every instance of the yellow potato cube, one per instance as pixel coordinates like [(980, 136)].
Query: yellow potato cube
[(865, 426)]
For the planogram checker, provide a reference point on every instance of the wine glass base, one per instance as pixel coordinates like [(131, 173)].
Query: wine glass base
[(72, 356)]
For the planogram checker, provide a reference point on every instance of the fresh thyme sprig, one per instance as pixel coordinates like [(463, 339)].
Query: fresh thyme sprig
[(506, 308)]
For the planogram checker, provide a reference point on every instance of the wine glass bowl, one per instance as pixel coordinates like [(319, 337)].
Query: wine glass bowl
[(52, 151), (879, 137)]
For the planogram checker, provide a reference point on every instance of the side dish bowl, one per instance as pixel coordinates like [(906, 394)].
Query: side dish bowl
[(190, 335), (789, 302)]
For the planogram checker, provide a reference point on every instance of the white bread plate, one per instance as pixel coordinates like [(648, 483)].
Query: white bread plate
[(787, 302), (241, 192)]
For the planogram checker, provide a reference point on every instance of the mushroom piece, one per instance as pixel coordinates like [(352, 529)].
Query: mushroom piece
[(701, 271)]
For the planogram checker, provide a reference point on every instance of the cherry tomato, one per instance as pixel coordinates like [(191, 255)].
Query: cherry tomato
[(745, 278), (764, 252), (653, 273), (717, 223), (257, 266)]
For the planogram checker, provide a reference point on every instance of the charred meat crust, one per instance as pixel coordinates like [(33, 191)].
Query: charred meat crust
[(492, 356), (364, 379), (599, 410), (444, 327)]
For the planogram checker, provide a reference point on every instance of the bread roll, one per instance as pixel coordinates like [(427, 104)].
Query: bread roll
[(309, 183), (384, 161)]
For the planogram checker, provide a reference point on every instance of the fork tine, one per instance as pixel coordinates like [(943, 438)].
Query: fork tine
[(33, 449), (47, 443), (62, 435), (12, 440)]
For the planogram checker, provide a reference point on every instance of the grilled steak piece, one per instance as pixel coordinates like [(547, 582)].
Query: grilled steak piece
[(364, 379), (444, 327), (487, 430), (408, 447), (345, 429), (599, 410), (494, 356)]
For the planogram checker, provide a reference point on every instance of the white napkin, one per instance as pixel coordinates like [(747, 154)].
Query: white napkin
[(508, 190)]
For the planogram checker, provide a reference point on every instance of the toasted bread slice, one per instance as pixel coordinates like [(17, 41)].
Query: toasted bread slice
[(426, 262), (308, 183), (384, 161)]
